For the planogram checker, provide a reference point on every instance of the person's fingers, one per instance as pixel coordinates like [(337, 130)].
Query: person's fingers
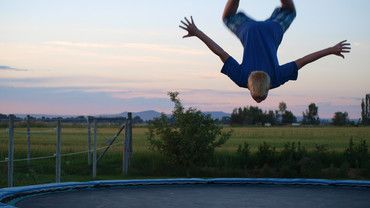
[(345, 51), (184, 23), (182, 27), (186, 36), (343, 41), (346, 47), (192, 20), (187, 21)]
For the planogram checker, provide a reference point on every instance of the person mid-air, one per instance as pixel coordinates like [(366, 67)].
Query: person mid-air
[(260, 70)]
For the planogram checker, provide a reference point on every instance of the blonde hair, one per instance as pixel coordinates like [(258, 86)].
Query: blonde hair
[(259, 83)]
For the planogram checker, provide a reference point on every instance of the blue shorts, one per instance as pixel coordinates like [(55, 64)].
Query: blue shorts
[(282, 16)]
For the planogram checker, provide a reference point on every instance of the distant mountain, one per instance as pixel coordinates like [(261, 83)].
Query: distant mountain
[(218, 114), (39, 116), (145, 115), (151, 114)]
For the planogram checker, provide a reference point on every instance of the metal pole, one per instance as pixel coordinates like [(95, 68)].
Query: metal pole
[(28, 141), (11, 151), (129, 135), (127, 144), (94, 151), (124, 155), (89, 140), (58, 154)]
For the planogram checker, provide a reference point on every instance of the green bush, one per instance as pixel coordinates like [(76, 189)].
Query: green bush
[(292, 152), (266, 154), (357, 155), (188, 138), (244, 154)]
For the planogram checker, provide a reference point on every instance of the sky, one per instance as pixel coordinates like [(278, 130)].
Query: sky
[(88, 57)]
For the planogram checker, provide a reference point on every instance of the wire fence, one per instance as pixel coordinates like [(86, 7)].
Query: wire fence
[(6, 130), (92, 150), (33, 132), (62, 155)]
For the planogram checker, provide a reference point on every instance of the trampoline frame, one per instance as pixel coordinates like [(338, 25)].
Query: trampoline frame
[(9, 194)]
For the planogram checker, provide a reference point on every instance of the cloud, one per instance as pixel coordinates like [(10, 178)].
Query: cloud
[(133, 46), (74, 102), (9, 68), (91, 83)]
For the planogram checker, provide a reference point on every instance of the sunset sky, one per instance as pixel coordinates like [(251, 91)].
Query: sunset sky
[(87, 57)]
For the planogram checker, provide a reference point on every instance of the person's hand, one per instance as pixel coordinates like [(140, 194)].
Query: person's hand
[(288, 4), (340, 48), (190, 27)]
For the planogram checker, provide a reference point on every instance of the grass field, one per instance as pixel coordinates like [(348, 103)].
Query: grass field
[(75, 140)]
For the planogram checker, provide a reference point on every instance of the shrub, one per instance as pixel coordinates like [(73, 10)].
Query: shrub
[(293, 152), (357, 155), (244, 154), (266, 154), (187, 139)]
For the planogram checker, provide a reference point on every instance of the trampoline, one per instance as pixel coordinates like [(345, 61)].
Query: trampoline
[(192, 193)]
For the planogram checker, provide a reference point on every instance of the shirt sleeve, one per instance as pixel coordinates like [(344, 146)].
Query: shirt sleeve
[(234, 71), (288, 72)]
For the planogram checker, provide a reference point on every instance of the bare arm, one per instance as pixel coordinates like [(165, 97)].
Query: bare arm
[(193, 31), (231, 8), (287, 4), (338, 50)]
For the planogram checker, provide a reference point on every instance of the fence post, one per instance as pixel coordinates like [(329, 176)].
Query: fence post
[(58, 153), (94, 150), (89, 140), (11, 151), (127, 144), (28, 141)]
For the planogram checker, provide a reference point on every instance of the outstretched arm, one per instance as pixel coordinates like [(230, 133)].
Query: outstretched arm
[(231, 8), (287, 4), (338, 50), (193, 31)]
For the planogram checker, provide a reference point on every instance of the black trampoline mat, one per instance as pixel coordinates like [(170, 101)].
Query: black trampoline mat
[(210, 196)]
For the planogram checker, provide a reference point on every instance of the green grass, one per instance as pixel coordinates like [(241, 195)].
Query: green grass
[(75, 139), (145, 162), (336, 138)]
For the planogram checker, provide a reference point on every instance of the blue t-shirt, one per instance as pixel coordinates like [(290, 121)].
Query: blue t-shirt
[(261, 40)]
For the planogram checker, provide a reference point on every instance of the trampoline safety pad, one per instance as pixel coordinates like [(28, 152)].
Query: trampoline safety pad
[(192, 193)]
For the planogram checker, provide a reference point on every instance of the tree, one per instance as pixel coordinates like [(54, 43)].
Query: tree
[(225, 120), (3, 117), (137, 120), (247, 116), (311, 115), (340, 119), (282, 107), (284, 116), (365, 113), (190, 139), (271, 118), (288, 118), (279, 113)]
